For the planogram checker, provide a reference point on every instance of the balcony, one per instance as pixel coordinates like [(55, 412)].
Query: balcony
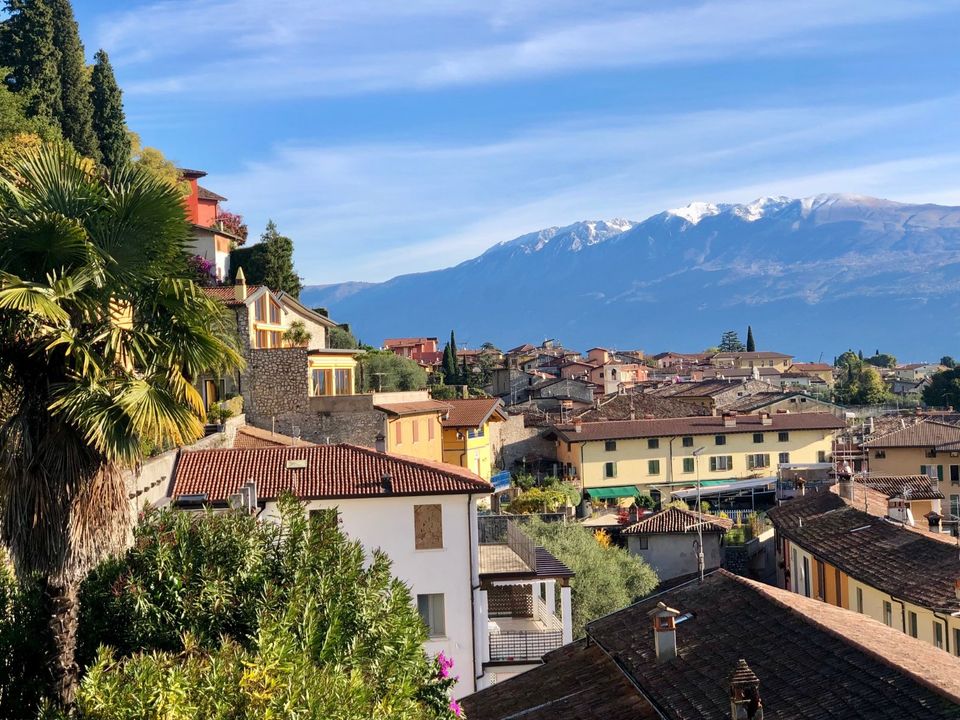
[(525, 639)]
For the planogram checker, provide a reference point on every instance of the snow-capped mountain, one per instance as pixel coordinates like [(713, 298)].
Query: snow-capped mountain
[(814, 274)]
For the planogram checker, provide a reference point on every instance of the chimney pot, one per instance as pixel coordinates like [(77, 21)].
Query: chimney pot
[(386, 482), (745, 693), (240, 285), (664, 632), (380, 443)]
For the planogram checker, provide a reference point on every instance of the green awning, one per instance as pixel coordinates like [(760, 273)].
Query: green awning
[(613, 493)]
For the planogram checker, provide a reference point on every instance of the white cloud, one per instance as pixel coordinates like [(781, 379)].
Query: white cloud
[(372, 211), (248, 49)]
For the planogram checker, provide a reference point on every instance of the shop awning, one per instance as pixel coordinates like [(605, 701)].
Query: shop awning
[(727, 488), (613, 493)]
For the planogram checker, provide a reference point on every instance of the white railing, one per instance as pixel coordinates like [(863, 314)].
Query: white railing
[(543, 614)]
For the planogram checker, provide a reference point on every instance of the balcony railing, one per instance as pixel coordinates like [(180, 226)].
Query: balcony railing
[(520, 646)]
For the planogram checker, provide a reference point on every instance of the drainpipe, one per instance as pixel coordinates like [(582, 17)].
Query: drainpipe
[(477, 671)]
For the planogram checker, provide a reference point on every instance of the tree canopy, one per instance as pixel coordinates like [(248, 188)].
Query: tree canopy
[(730, 342), (607, 578), (384, 371), (882, 360), (268, 262), (109, 121), (944, 389)]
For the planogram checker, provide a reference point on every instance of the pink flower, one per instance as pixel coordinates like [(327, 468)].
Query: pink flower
[(455, 708), (443, 665)]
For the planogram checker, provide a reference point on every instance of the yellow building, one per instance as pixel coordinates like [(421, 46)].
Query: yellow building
[(829, 549), (332, 372), (746, 360), (413, 428), (466, 434), (662, 452)]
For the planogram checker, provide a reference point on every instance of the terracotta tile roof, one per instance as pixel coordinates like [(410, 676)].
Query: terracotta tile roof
[(205, 194), (332, 471), (639, 405), (577, 682), (471, 413), (526, 347), (812, 659), (499, 561), (873, 550), (812, 367), (919, 487), (758, 355), (415, 407), (404, 342), (253, 437), (675, 520), (191, 174), (227, 295), (706, 425), (928, 433)]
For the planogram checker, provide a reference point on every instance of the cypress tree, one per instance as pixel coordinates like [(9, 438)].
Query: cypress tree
[(76, 108), (450, 371), (464, 372), (28, 48), (279, 273), (751, 345), (109, 122)]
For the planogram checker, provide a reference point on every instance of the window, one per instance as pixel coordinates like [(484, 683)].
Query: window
[(806, 576), (431, 612), (342, 382), (938, 635), (783, 436), (653, 443), (880, 454), (274, 313), (887, 613), (758, 438), (258, 309), (688, 465), (610, 446), (955, 474), (326, 517), (415, 425), (821, 580), (796, 575), (398, 432), (262, 339), (783, 458), (642, 542), (428, 527), (759, 460), (276, 339), (821, 456), (956, 642), (610, 469), (721, 463), (688, 441), (955, 504), (860, 600), (319, 379), (931, 453), (912, 620), (720, 440), (837, 589), (430, 430), (653, 467)]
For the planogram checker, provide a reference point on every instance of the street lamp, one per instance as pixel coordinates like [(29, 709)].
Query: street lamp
[(699, 524)]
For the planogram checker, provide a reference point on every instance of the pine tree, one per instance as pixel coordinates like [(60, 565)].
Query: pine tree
[(730, 342), (76, 109), (28, 49), (751, 345), (279, 273), (109, 122)]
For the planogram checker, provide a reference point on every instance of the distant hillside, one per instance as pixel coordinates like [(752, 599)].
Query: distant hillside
[(811, 275)]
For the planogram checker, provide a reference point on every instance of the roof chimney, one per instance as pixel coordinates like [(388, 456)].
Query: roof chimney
[(664, 632), (765, 419), (745, 693), (577, 425), (240, 285), (730, 418), (386, 482), (380, 443)]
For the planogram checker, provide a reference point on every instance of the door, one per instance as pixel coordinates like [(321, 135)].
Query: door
[(211, 392)]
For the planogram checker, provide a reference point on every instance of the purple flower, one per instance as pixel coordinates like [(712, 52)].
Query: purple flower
[(443, 665), (455, 708)]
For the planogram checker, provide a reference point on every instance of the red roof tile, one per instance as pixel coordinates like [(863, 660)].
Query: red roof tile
[(675, 520), (227, 295), (332, 471), (204, 194), (928, 433), (253, 437), (706, 425), (471, 413), (413, 408)]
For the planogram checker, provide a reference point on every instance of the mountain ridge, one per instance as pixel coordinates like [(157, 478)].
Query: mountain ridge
[(771, 261)]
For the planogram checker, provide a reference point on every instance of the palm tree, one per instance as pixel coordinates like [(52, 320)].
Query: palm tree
[(101, 334)]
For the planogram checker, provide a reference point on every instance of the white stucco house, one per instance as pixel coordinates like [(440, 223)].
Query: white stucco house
[(422, 514)]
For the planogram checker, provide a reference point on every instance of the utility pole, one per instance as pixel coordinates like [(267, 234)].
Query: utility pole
[(698, 525)]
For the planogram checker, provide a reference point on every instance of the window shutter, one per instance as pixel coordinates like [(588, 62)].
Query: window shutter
[(713, 464), (428, 527)]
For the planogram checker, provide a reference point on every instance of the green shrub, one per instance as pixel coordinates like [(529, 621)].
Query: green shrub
[(24, 643)]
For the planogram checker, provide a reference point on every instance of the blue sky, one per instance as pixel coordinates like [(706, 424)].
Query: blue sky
[(388, 137)]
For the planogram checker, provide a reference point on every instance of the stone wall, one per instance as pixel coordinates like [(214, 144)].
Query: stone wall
[(512, 441), (357, 428), (275, 392)]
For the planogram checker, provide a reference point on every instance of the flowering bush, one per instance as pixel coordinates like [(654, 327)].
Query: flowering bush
[(233, 223), (205, 270), (435, 692)]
